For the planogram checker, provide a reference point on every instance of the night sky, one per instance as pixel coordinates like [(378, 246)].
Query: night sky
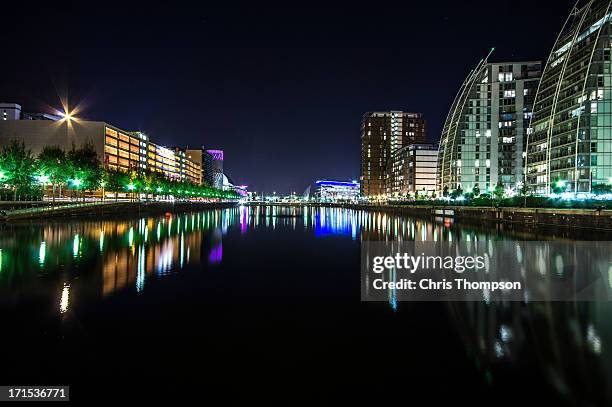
[(281, 87)]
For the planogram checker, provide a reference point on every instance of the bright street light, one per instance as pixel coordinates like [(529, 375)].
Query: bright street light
[(67, 115), (42, 179), (131, 187), (77, 182)]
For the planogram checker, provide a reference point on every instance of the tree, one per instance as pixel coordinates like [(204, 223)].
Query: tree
[(17, 166), (457, 193), (85, 170), (445, 191), (52, 164), (559, 186), (524, 189), (599, 189), (499, 191), (115, 181), (476, 190)]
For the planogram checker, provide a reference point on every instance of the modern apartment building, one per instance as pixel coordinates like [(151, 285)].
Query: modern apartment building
[(483, 138), (413, 169), (570, 148), (381, 134)]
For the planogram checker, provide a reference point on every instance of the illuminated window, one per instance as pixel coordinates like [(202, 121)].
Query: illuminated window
[(110, 150)]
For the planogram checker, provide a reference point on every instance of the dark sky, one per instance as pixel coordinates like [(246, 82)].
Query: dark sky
[(281, 87)]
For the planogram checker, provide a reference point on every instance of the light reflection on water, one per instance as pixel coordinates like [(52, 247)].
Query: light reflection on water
[(119, 255)]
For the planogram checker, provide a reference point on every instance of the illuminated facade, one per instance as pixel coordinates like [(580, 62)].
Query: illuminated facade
[(123, 150), (213, 164), (189, 169), (381, 134), (483, 139), (118, 149), (570, 148), (413, 169), (333, 191)]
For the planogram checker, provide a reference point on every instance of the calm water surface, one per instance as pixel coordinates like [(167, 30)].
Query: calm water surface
[(262, 302)]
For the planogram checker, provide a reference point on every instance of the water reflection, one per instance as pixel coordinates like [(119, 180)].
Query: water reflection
[(568, 343), (126, 252)]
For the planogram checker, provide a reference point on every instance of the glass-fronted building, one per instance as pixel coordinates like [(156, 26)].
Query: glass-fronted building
[(333, 191), (483, 138), (570, 148)]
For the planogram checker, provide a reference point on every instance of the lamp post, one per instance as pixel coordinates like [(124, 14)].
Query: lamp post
[(2, 178), (130, 188), (76, 182)]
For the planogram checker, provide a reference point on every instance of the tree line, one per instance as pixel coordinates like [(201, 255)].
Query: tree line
[(79, 170)]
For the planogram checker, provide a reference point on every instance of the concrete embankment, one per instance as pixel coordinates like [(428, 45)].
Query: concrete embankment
[(87, 209), (571, 218)]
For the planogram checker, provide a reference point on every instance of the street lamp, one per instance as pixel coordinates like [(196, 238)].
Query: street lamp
[(41, 179), (76, 182), (130, 188)]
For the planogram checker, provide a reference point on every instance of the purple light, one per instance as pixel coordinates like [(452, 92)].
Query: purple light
[(217, 154), (338, 183), (216, 254)]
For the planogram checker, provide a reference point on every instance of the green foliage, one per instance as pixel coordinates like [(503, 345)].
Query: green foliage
[(84, 167), (17, 167), (600, 189), (476, 190), (52, 163), (558, 186), (115, 180), (155, 184), (499, 192), (456, 193), (80, 170)]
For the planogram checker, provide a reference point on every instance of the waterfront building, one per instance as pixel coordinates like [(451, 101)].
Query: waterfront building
[(483, 138), (570, 148), (381, 134), (213, 162), (189, 169), (413, 169), (117, 149), (12, 111), (197, 156), (332, 191)]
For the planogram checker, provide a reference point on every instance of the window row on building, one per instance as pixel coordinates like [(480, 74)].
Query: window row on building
[(117, 149)]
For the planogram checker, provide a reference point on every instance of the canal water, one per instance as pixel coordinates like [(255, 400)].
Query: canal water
[(264, 302)]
